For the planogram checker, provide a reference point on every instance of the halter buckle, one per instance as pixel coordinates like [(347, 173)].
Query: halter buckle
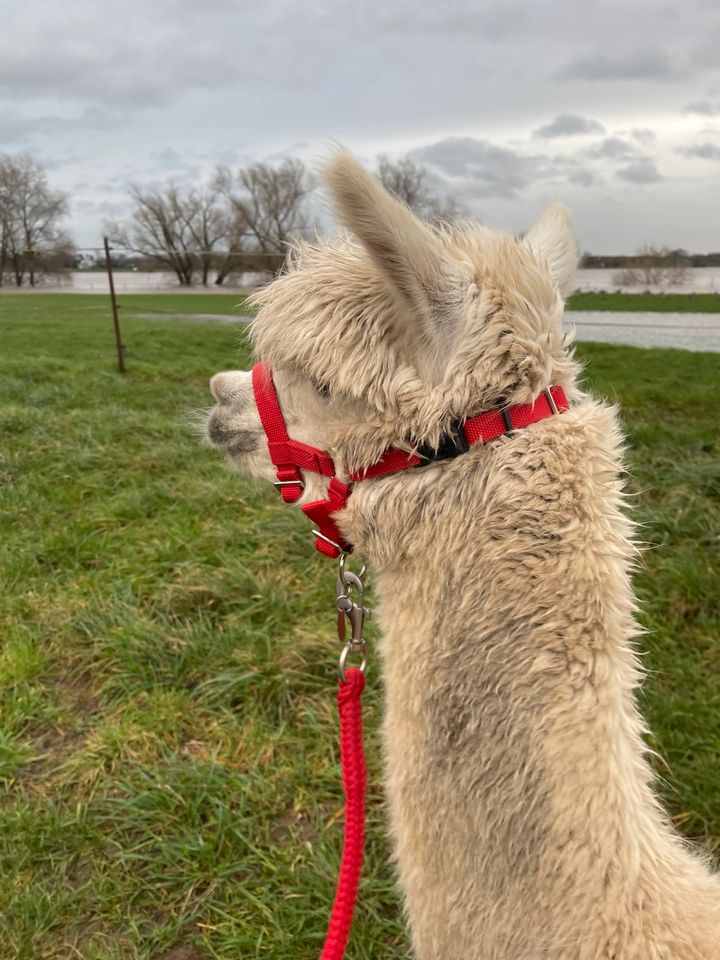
[(343, 551), (289, 483), (451, 445), (551, 400), (290, 490)]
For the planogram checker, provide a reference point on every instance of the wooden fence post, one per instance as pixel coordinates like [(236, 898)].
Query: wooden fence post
[(116, 322)]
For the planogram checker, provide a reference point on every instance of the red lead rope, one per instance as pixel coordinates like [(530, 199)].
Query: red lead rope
[(352, 757)]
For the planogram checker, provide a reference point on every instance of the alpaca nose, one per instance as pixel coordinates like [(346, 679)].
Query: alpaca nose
[(228, 386)]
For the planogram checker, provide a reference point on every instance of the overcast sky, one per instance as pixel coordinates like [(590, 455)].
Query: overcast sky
[(612, 107)]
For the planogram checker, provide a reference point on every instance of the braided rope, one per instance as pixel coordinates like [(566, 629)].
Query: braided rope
[(354, 774)]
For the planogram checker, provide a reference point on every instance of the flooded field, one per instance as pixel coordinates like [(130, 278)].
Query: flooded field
[(137, 281), (699, 280), (682, 331)]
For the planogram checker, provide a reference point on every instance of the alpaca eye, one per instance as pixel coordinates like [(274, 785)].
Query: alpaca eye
[(321, 388)]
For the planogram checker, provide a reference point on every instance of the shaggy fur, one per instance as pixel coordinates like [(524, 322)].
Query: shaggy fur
[(522, 814)]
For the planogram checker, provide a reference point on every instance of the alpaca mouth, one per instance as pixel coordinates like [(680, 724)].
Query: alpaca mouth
[(233, 440)]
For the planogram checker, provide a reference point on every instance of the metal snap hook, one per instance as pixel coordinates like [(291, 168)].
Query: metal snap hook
[(352, 611)]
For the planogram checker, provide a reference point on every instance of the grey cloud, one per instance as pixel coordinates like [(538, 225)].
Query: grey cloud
[(57, 162), (632, 67), (138, 62), (613, 148), (487, 169), (706, 151), (704, 108), (643, 135), (118, 185), (168, 157), (581, 177), (175, 164), (227, 157), (16, 129), (495, 23), (112, 208), (470, 169), (568, 125), (640, 171)]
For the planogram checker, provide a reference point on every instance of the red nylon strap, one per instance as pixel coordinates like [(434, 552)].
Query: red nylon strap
[(301, 455), (291, 456), (354, 773), (329, 541), (276, 433), (390, 462), (487, 426), (481, 429)]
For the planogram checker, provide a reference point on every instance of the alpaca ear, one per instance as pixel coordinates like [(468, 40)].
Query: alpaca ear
[(405, 249), (553, 243)]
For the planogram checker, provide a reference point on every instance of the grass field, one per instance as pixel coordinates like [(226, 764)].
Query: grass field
[(167, 724), (660, 302)]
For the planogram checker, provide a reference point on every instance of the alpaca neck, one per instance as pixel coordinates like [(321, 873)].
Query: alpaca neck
[(515, 763)]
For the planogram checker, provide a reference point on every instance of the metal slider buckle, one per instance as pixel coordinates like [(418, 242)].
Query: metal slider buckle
[(551, 400), (289, 483), (507, 420), (332, 543)]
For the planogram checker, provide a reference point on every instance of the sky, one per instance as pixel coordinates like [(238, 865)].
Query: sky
[(610, 107)]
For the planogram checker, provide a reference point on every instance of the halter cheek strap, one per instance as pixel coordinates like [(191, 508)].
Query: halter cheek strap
[(288, 456), (291, 456)]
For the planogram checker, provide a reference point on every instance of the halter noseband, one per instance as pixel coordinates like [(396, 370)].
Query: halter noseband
[(289, 457)]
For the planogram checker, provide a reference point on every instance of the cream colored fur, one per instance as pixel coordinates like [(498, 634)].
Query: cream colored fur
[(521, 808)]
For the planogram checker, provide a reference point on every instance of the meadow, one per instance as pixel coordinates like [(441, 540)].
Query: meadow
[(169, 783), (641, 302)]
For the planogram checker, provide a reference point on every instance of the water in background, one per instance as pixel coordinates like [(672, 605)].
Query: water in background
[(700, 280)]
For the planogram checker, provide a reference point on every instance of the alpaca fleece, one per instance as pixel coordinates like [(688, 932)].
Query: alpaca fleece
[(522, 814)]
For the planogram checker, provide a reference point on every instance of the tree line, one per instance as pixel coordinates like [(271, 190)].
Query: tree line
[(241, 220), (32, 240), (244, 220)]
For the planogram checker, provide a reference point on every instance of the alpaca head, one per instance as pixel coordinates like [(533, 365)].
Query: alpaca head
[(387, 336)]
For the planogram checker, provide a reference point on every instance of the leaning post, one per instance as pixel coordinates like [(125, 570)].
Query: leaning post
[(116, 321)]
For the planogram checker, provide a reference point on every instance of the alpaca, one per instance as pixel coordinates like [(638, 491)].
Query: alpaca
[(522, 815)]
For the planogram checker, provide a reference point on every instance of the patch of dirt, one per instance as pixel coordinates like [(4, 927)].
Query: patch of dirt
[(292, 825), (181, 952), (184, 600), (54, 743)]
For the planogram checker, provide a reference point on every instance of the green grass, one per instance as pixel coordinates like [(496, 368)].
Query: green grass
[(167, 724), (660, 302)]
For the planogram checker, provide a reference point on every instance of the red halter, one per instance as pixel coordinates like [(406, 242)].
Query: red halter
[(291, 456)]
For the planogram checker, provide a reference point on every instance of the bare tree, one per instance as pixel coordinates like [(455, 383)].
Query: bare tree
[(180, 229), (232, 259), (655, 267), (269, 201), (207, 226), (32, 242), (237, 220), (408, 182)]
